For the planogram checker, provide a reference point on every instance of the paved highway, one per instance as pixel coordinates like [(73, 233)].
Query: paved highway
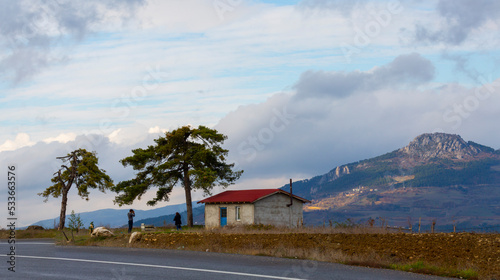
[(41, 259)]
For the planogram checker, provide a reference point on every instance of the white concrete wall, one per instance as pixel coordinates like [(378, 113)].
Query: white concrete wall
[(273, 210), (212, 214)]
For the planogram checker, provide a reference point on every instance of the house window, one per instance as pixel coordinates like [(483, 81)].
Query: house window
[(238, 213)]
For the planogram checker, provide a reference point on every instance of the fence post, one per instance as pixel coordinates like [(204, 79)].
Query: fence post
[(419, 221)]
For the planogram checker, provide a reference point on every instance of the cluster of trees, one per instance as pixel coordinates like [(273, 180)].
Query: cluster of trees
[(190, 157), (465, 173)]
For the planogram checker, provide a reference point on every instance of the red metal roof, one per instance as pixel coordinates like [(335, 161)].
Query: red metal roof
[(245, 196)]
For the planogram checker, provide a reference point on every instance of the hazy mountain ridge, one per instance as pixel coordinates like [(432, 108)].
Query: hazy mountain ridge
[(436, 175), (431, 158), (160, 221), (115, 217)]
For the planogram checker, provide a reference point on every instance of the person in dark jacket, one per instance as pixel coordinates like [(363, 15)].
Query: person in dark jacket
[(91, 227), (131, 215), (177, 220)]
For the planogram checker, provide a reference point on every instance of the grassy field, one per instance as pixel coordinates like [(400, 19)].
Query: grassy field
[(461, 255)]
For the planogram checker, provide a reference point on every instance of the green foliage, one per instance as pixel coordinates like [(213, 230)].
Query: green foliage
[(82, 171), (464, 173), (75, 222), (191, 157), (79, 168)]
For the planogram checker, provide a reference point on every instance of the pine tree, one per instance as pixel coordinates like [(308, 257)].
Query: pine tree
[(81, 169), (75, 222), (191, 157)]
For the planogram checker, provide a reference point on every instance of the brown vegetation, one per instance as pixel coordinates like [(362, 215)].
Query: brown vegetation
[(465, 255)]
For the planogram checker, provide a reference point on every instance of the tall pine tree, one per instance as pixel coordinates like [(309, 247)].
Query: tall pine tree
[(79, 168), (191, 157)]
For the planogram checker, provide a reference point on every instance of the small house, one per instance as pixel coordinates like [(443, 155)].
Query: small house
[(261, 206)]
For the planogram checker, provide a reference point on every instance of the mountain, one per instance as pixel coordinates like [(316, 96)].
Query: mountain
[(437, 176), (444, 146), (115, 217)]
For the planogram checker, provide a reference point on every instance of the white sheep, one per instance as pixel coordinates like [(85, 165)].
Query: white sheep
[(101, 231)]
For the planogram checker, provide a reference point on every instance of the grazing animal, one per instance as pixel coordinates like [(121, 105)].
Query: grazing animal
[(135, 237), (101, 231)]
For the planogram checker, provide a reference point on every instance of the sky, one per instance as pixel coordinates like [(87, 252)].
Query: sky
[(299, 87)]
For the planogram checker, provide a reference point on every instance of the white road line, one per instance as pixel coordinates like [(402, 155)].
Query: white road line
[(162, 266)]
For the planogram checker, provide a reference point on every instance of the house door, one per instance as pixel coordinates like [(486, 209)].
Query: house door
[(223, 216)]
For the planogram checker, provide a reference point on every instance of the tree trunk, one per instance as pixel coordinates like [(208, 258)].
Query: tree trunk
[(189, 204), (62, 217)]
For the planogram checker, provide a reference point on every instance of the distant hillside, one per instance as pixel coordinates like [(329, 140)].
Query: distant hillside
[(114, 217), (436, 176), (165, 220)]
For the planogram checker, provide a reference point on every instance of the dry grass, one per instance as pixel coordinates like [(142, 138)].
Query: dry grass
[(424, 268), (24, 234), (464, 255), (327, 229)]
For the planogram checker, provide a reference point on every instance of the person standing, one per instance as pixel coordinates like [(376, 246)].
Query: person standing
[(131, 215), (177, 221), (91, 227)]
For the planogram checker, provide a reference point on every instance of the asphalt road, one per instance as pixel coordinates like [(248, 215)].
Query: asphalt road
[(41, 259)]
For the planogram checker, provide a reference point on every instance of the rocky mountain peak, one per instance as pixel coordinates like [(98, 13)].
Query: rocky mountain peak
[(442, 145), (335, 173)]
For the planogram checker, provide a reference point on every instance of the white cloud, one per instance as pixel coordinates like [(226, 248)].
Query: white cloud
[(459, 20), (192, 16), (290, 136), (130, 135), (21, 140), (31, 33), (409, 70), (62, 138), (210, 68), (113, 136), (156, 130)]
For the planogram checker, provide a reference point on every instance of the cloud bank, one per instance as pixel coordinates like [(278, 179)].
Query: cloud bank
[(333, 118), (404, 71), (34, 37), (459, 20)]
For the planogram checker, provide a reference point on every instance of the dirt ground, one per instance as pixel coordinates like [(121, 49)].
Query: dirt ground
[(480, 252), (368, 247)]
